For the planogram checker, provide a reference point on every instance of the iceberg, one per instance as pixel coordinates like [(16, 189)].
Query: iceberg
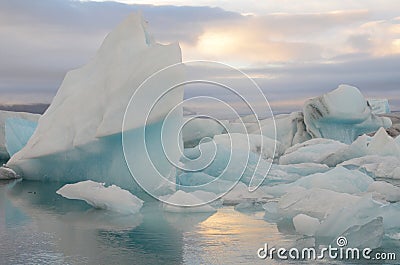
[(4, 116), (317, 203), (338, 179), (290, 129), (381, 144), (266, 147), (312, 151), (195, 129), (227, 163), (368, 235), (183, 202), (342, 114), (305, 225), (359, 213), (79, 136), (388, 191), (376, 166), (18, 133), (379, 106), (111, 198), (290, 173)]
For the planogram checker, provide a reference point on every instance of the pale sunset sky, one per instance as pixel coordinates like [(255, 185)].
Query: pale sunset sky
[(294, 50)]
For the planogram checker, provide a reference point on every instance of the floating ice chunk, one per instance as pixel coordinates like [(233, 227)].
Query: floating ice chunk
[(389, 192), (228, 164), (18, 132), (267, 148), (192, 181), (379, 106), (341, 115), (360, 212), (312, 151), (241, 193), (7, 173), (338, 179), (290, 129), (317, 203), (111, 198), (381, 144), (195, 129), (80, 133), (292, 172), (280, 190), (182, 202), (368, 235), (4, 115), (305, 225)]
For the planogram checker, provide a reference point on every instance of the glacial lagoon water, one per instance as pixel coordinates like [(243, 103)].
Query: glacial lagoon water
[(37, 226)]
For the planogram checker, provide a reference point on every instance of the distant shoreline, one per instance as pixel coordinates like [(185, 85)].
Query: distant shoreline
[(40, 108)]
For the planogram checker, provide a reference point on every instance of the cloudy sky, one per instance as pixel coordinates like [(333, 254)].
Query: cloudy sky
[(293, 49)]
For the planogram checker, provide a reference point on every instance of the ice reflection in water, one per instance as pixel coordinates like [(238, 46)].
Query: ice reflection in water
[(37, 226)]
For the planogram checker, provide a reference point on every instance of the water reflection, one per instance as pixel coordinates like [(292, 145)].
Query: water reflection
[(41, 227), (72, 232)]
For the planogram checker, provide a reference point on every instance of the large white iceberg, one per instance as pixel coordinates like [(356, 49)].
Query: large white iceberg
[(342, 115), (111, 198), (79, 136), (4, 116)]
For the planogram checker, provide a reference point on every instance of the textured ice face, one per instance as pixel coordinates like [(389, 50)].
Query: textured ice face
[(381, 144), (313, 151), (342, 115), (4, 115), (376, 166), (18, 133), (79, 136), (198, 128), (290, 129)]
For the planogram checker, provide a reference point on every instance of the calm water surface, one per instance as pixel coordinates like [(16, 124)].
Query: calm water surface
[(37, 226)]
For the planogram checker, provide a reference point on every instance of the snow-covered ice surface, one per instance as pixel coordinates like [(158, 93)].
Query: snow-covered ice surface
[(111, 198), (79, 139), (4, 115), (341, 115)]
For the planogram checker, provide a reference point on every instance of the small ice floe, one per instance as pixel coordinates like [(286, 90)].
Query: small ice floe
[(7, 173), (184, 202), (111, 198)]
